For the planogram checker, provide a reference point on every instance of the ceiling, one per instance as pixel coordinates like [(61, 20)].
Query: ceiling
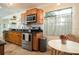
[(15, 8)]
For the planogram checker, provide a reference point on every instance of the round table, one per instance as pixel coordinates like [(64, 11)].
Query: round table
[(69, 48)]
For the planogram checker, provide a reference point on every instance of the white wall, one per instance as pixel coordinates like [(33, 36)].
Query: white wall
[(6, 20), (17, 21), (75, 16), (1, 26)]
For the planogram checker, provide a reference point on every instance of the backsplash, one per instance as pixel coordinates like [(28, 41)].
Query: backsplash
[(37, 25)]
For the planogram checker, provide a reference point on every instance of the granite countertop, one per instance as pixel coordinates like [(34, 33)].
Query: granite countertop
[(27, 30), (2, 42)]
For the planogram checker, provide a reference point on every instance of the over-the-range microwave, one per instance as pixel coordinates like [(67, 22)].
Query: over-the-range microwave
[(31, 18)]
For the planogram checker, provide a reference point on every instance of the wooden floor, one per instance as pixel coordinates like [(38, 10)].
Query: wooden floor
[(12, 49)]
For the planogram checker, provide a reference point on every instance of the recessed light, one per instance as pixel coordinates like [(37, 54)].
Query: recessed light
[(58, 4)]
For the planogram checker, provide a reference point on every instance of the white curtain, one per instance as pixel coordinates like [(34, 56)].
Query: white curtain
[(58, 22)]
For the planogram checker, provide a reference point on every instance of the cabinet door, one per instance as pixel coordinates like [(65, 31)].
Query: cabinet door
[(28, 12), (18, 38), (14, 37), (23, 17), (1, 49), (40, 16), (33, 11), (36, 38), (10, 37)]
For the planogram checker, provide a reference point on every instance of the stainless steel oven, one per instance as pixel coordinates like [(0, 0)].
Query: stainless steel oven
[(26, 41)]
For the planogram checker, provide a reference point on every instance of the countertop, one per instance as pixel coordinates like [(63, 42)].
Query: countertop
[(27, 30), (2, 42)]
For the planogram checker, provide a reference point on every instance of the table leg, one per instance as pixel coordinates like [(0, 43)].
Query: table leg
[(53, 51), (57, 52)]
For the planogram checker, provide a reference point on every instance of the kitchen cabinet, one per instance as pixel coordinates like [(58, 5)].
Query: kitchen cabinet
[(23, 17), (14, 37), (2, 47), (40, 16), (31, 11), (37, 12), (35, 40)]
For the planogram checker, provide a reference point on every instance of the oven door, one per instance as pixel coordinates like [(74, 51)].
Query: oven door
[(26, 41)]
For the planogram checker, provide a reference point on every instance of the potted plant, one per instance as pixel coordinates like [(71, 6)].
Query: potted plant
[(63, 39)]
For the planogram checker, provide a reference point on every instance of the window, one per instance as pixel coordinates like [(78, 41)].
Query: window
[(4, 26), (58, 22)]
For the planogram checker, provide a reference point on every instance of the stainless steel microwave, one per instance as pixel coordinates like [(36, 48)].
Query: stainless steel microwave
[(31, 18)]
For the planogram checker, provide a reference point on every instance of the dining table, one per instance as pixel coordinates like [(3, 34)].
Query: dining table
[(57, 48)]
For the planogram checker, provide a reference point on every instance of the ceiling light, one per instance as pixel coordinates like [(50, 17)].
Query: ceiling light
[(58, 4), (10, 4)]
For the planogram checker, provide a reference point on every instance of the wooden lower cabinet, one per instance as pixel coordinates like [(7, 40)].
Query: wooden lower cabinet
[(1, 49), (35, 41), (13, 37), (16, 38)]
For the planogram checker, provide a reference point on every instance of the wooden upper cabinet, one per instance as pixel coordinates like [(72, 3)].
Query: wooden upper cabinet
[(38, 12), (31, 11), (40, 16), (23, 17)]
